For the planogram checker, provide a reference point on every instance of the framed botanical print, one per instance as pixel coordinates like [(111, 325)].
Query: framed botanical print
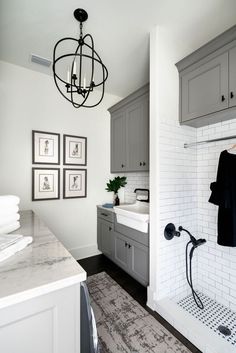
[(74, 183), (75, 150), (45, 147), (45, 184)]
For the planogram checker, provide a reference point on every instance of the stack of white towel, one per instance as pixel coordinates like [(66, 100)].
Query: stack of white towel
[(9, 213), (10, 221)]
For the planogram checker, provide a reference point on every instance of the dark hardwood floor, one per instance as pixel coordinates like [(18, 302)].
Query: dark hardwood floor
[(100, 263)]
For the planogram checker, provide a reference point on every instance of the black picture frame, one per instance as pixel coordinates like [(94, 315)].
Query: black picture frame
[(35, 159), (66, 152), (65, 194), (34, 169)]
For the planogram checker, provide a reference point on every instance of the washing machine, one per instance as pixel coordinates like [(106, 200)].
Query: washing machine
[(88, 329)]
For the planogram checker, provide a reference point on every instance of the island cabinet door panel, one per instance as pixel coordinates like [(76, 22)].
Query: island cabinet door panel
[(118, 159), (139, 261), (204, 90), (120, 250), (232, 77), (46, 324)]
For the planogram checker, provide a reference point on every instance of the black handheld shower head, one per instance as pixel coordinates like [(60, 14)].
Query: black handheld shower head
[(194, 241), (200, 242)]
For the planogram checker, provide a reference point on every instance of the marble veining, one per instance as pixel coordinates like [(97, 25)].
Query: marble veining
[(43, 266)]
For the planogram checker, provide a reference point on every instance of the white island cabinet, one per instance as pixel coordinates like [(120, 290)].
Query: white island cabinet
[(40, 295)]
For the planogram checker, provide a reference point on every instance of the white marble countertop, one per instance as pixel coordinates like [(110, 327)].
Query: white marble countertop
[(42, 267)]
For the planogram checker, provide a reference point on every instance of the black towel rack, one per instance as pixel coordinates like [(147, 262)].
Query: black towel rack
[(187, 145)]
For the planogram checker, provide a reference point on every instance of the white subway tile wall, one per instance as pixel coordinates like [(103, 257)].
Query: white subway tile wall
[(216, 264), (134, 181), (185, 177), (178, 205)]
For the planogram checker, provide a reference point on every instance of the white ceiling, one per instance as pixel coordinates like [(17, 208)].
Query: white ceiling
[(120, 29)]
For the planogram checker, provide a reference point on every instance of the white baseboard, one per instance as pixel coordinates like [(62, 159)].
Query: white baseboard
[(151, 300), (84, 251)]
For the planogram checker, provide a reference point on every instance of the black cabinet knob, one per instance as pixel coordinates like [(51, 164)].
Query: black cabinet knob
[(126, 244), (129, 246), (122, 165), (144, 163), (231, 94), (140, 164), (110, 229), (222, 98)]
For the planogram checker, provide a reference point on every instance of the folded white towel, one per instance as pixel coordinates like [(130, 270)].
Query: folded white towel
[(7, 240), (8, 210), (18, 246), (9, 220), (10, 228), (8, 200)]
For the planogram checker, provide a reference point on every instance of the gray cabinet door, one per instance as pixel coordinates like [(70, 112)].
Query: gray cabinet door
[(138, 261), (118, 141), (205, 89), (105, 237), (137, 134), (232, 77), (120, 250)]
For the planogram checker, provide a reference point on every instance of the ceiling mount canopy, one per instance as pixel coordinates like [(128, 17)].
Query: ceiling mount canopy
[(79, 72)]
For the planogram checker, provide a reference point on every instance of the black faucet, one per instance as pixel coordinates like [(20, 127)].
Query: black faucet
[(147, 190)]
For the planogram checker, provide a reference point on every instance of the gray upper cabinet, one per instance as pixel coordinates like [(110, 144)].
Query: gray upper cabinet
[(232, 77), (208, 82), (118, 150), (130, 133), (205, 89)]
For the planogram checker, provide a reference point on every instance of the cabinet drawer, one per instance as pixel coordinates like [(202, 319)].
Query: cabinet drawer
[(105, 214)]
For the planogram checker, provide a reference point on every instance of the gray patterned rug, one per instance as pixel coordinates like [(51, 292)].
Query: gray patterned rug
[(123, 325)]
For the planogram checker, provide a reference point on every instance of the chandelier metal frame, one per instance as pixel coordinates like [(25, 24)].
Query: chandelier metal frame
[(75, 85)]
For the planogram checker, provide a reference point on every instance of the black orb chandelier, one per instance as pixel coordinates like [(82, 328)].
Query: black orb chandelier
[(77, 74)]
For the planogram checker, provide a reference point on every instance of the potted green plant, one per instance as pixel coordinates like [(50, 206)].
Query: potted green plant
[(114, 185)]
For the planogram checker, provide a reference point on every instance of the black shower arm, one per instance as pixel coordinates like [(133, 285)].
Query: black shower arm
[(191, 236)]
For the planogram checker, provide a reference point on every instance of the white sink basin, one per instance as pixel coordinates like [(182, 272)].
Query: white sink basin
[(135, 216)]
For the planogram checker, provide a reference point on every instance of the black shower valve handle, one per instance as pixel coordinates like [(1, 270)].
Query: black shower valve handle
[(170, 231)]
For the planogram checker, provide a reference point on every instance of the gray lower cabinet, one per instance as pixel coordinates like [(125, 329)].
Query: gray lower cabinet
[(138, 256), (131, 255), (120, 250), (207, 82), (130, 133), (105, 237)]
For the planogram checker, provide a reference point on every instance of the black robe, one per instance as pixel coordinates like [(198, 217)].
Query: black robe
[(224, 195)]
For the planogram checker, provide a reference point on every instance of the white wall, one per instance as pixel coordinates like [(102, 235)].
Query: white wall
[(30, 101), (173, 180)]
